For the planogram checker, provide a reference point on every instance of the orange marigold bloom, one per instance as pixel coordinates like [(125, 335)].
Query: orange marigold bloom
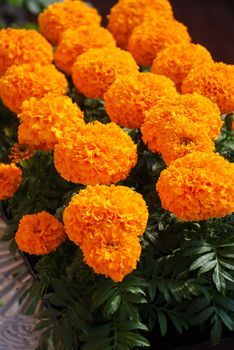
[(20, 152), (181, 137), (150, 37), (198, 186), (25, 81), (10, 180), (131, 95), (214, 80), (76, 41), (128, 14), (114, 257), (58, 17), (46, 120), (192, 109), (107, 211), (176, 61), (18, 46), (97, 154), (95, 70), (39, 233)]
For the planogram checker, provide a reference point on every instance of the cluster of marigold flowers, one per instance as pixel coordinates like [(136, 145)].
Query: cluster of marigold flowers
[(176, 106)]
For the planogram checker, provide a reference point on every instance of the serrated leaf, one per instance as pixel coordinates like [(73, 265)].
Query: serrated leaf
[(201, 261), (216, 329), (112, 306), (162, 320), (226, 319), (132, 339), (218, 279), (203, 316), (207, 267), (131, 325)]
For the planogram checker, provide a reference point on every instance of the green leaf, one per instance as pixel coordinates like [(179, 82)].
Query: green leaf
[(203, 316), (201, 261), (131, 325), (112, 306), (216, 329), (132, 339), (218, 279), (99, 344), (162, 320), (43, 324), (208, 266), (226, 319)]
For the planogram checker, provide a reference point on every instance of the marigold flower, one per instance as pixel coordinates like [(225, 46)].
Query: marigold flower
[(131, 95), (97, 154), (95, 70), (39, 233), (74, 42), (18, 46), (110, 212), (114, 257), (58, 17), (20, 152), (10, 180), (198, 186), (176, 61), (192, 109), (180, 138), (25, 81), (214, 80), (46, 120), (128, 14), (148, 38)]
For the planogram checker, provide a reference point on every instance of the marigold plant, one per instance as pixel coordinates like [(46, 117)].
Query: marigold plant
[(18, 46), (214, 80), (75, 41), (97, 154), (131, 95), (95, 70), (198, 186), (128, 14), (46, 120), (25, 81), (39, 233), (196, 109), (150, 37), (108, 211), (10, 180), (58, 17), (176, 61)]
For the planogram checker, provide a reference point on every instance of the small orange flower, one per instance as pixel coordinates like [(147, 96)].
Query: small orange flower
[(131, 95), (58, 17), (39, 233), (105, 211), (127, 14), (20, 152), (18, 46), (97, 154), (215, 81), (10, 180), (74, 42), (95, 70), (176, 61), (45, 121), (25, 81), (151, 36), (114, 257), (198, 186)]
